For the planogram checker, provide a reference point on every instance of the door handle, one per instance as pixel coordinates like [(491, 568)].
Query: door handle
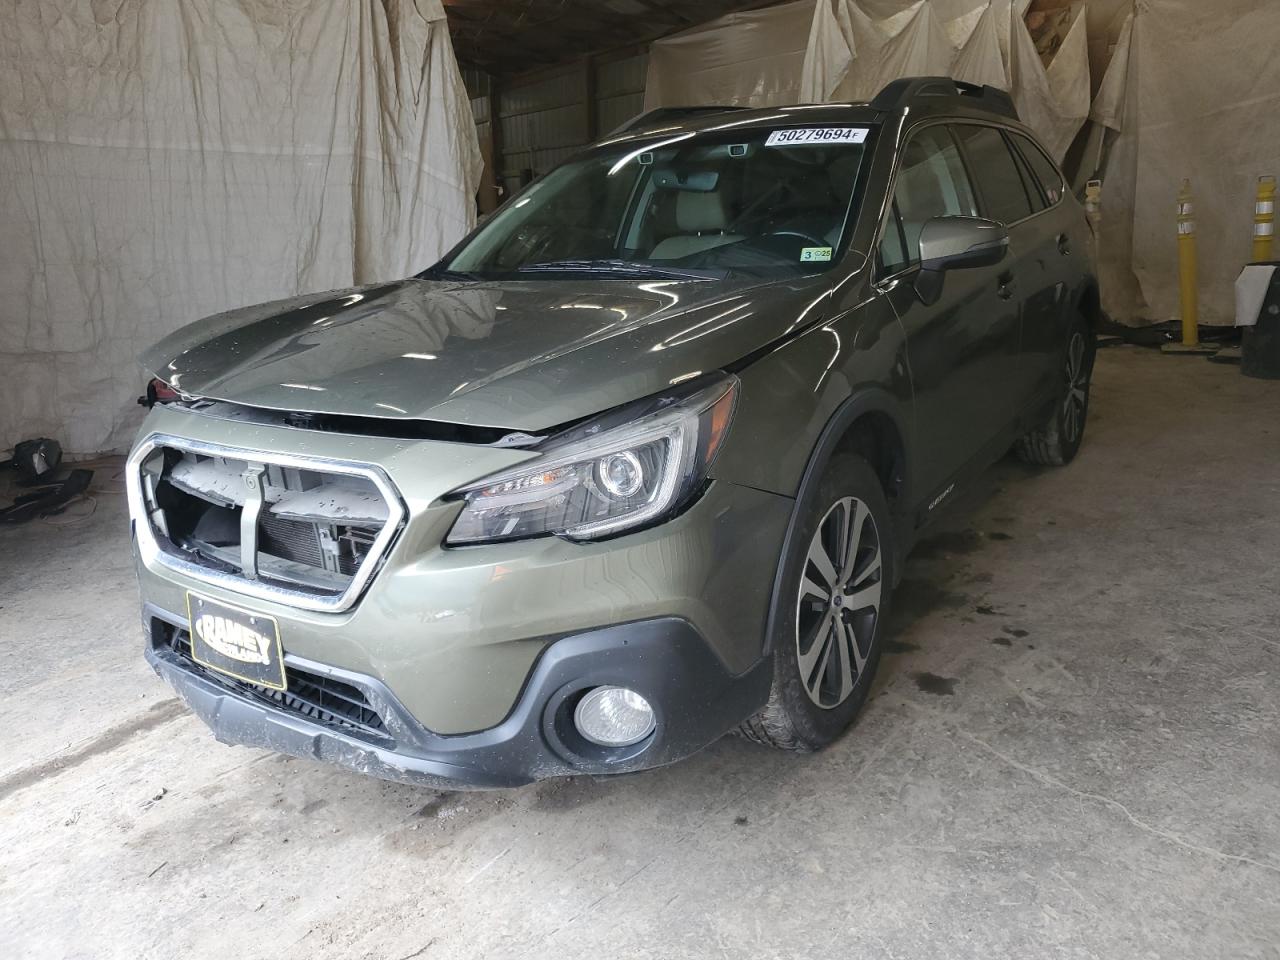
[(1064, 244), (1005, 290)]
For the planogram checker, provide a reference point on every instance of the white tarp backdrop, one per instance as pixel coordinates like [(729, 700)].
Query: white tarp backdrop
[(1053, 101), (750, 59), (1201, 100), (1187, 89), (980, 59), (852, 55), (162, 161)]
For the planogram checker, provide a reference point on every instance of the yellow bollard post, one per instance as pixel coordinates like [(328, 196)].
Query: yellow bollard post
[(1264, 215), (1187, 282), (1189, 293)]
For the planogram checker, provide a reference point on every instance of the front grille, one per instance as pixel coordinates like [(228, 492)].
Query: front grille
[(317, 697), (285, 528)]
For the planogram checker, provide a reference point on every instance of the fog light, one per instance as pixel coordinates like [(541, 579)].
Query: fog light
[(614, 717)]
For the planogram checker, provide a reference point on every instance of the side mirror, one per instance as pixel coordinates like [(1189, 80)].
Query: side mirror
[(957, 243)]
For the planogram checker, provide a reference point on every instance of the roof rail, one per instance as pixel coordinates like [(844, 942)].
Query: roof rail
[(660, 115), (909, 90)]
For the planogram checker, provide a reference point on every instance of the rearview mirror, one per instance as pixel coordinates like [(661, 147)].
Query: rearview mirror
[(957, 243), (698, 181)]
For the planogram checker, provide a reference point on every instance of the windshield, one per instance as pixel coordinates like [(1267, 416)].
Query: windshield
[(770, 202)]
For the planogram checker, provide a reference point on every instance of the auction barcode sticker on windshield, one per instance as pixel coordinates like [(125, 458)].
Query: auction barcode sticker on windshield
[(805, 136)]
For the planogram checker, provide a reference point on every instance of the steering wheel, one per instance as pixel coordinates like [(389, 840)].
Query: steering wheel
[(799, 234), (527, 245)]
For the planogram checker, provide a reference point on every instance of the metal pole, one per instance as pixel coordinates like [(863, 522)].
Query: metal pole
[(1187, 284)]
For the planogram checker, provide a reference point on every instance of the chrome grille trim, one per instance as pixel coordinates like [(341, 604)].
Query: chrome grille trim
[(153, 552)]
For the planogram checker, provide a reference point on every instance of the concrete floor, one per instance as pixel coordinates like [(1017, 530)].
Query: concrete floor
[(1073, 750)]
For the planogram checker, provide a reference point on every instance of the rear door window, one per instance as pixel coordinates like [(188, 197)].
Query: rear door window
[(931, 183), (1001, 182), (1043, 168)]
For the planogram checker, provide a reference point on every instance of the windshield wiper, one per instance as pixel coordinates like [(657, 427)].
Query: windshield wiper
[(632, 268), (443, 273)]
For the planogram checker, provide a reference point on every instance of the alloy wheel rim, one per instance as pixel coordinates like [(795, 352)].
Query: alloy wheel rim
[(1077, 398), (839, 603)]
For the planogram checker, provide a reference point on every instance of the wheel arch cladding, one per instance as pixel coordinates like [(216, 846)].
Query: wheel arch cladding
[(868, 422), (1089, 304), (876, 437)]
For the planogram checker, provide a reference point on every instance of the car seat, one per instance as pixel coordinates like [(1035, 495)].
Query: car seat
[(701, 219)]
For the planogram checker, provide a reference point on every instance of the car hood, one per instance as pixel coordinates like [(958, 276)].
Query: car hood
[(522, 355)]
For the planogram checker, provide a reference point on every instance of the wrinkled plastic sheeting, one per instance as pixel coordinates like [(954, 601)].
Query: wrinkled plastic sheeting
[(162, 161), (829, 52), (1121, 295), (1201, 99), (856, 49), (750, 59), (852, 56), (980, 60), (1052, 101), (1108, 102)]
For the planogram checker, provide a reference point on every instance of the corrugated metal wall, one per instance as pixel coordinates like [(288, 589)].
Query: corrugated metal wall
[(619, 91), (541, 123), (544, 119)]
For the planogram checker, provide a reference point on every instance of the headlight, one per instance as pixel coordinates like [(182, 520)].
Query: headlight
[(603, 477)]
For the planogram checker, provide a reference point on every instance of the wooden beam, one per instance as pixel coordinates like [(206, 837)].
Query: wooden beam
[(490, 43), (567, 18), (502, 41), (512, 37), (493, 188), (658, 7), (588, 21)]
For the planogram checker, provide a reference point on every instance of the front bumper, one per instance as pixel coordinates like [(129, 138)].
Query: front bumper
[(453, 634), (695, 698)]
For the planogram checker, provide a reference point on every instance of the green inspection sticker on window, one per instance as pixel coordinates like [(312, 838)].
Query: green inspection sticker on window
[(814, 254)]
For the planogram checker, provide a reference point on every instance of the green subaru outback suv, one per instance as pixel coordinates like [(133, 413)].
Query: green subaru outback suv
[(636, 464)]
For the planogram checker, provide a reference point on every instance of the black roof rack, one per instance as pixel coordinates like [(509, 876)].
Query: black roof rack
[(910, 90), (661, 115)]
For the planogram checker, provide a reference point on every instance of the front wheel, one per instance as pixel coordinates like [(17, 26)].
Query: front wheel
[(1056, 441), (829, 615)]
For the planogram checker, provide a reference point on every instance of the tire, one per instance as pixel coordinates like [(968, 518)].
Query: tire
[(810, 706), (1056, 442)]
